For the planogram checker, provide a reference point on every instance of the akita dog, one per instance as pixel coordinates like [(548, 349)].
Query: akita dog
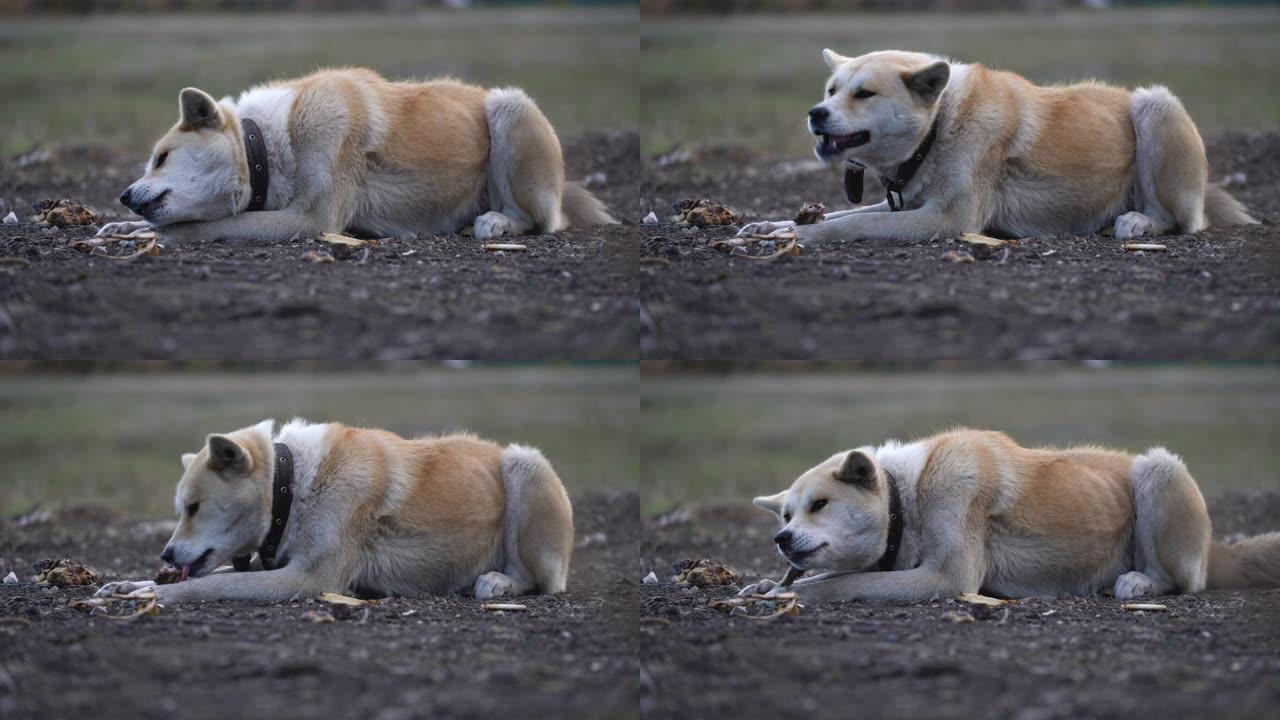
[(347, 151), (971, 511), (331, 508), (963, 148)]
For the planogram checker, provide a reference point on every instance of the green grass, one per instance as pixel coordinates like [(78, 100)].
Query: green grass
[(115, 439), (750, 79), (115, 80), (708, 438)]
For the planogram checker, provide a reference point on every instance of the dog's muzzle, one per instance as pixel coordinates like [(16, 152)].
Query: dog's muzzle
[(797, 558), (831, 145), (186, 570), (142, 207), (786, 545)]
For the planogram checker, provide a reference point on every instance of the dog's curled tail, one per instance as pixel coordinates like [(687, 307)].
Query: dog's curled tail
[(580, 207), (1221, 209), (1250, 563)]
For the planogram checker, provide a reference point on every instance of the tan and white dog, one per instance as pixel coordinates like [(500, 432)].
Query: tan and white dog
[(978, 513), (371, 512), (1007, 157), (348, 151)]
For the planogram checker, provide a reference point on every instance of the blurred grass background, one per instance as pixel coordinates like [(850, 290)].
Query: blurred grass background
[(730, 437), (114, 79), (115, 438), (749, 79)]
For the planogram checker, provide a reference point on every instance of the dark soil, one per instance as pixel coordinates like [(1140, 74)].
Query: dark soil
[(572, 655), (1214, 654), (571, 296), (1214, 295)]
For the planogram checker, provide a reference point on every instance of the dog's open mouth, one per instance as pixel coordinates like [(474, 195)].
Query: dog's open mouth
[(194, 568), (831, 144), (798, 558)]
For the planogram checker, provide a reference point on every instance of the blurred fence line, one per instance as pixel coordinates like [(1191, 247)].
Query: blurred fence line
[(659, 7), (16, 7)]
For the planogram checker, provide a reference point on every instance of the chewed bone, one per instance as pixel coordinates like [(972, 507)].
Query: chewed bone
[(791, 576)]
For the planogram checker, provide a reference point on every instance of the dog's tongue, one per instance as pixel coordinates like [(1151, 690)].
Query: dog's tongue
[(186, 570)]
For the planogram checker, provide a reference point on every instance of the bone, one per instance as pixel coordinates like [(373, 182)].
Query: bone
[(791, 576)]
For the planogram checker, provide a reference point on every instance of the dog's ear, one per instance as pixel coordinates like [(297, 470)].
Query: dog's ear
[(226, 454), (928, 83), (187, 459), (857, 469), (772, 503), (832, 58), (198, 110)]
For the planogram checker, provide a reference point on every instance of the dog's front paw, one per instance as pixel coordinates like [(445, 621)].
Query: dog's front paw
[(180, 233), (131, 228), (778, 228), (131, 588), (759, 588)]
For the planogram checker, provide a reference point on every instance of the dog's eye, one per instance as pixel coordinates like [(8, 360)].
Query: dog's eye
[(863, 94), (817, 505), (160, 161), (787, 517), (192, 509), (831, 91)]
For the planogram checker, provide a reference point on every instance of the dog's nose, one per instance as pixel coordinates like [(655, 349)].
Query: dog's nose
[(783, 539), (167, 555), (818, 114), (126, 198)]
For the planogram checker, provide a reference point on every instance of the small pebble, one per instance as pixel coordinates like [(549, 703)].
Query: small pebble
[(650, 579), (12, 218), (12, 578), (650, 219)]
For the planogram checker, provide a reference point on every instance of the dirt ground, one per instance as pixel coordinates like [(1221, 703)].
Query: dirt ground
[(571, 296), (1215, 654), (573, 655), (1212, 295)]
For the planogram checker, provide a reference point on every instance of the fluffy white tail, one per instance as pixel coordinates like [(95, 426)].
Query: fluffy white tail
[(1221, 209), (1251, 563), (581, 208)]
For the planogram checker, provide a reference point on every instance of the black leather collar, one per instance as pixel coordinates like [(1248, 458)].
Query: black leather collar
[(895, 525), (853, 171), (281, 502), (907, 170), (255, 149)]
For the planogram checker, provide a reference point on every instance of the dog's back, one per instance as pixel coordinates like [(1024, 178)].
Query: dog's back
[(1060, 520), (427, 513)]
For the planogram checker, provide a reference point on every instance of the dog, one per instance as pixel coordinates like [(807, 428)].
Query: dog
[(971, 511), (348, 151), (362, 511), (963, 148)]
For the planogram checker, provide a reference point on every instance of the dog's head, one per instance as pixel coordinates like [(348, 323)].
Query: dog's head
[(877, 106), (834, 516), (223, 500), (197, 171)]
